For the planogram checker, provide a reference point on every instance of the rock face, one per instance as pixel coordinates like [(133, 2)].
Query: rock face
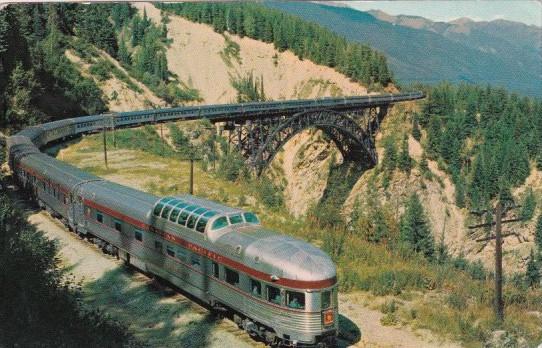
[(305, 162)]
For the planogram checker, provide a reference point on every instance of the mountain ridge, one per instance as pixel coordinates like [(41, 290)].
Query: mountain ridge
[(467, 51)]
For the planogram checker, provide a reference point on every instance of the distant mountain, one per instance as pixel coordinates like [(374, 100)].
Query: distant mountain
[(501, 53)]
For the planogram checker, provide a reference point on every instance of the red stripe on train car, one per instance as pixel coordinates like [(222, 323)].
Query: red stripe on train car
[(290, 283), (42, 178)]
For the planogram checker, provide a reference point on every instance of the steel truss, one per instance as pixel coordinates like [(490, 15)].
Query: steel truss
[(260, 139)]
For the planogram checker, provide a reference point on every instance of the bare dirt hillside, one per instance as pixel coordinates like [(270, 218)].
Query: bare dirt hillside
[(197, 56), (120, 97)]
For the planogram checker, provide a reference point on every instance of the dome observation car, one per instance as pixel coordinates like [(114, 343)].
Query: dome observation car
[(201, 215)]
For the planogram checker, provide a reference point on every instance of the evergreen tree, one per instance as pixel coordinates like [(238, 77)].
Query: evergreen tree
[(22, 89), (37, 24), (532, 273), (389, 162), (123, 54), (416, 133), (528, 206), (4, 27), (404, 162), (414, 228), (538, 233)]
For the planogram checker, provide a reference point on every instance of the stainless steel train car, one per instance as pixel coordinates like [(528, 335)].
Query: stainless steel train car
[(278, 288)]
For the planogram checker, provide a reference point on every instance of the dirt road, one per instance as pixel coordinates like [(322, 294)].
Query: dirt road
[(162, 317)]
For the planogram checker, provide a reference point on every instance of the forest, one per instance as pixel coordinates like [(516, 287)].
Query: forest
[(484, 137), (39, 83)]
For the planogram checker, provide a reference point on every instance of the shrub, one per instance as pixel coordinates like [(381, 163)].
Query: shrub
[(269, 194), (231, 166), (101, 70)]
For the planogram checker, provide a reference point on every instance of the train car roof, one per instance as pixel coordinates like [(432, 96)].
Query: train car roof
[(277, 254), (53, 168), (130, 202)]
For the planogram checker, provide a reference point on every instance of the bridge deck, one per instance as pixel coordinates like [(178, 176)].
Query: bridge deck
[(229, 112)]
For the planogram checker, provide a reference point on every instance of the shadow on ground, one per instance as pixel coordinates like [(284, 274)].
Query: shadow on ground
[(349, 332), (156, 315)]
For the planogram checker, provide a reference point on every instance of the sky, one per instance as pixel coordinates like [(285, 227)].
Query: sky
[(526, 11)]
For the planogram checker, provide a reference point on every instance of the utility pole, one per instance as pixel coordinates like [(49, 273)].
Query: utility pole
[(114, 131), (191, 190), (191, 158), (104, 131), (499, 211)]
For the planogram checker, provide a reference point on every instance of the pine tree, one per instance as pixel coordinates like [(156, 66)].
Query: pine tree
[(389, 162), (528, 206), (22, 89), (124, 56), (4, 27), (538, 233), (416, 133), (532, 273), (404, 161), (37, 24), (415, 230)]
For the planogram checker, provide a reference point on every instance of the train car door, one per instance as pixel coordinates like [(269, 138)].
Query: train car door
[(76, 217)]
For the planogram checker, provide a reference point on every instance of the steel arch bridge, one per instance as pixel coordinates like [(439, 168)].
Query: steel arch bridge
[(259, 140)]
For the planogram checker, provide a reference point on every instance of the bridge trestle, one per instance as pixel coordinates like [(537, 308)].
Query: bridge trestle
[(353, 132)]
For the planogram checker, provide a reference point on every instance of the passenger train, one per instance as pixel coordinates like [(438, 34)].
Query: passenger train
[(278, 288)]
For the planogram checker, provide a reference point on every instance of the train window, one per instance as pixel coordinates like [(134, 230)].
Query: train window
[(195, 260), (99, 217), (326, 299), (220, 223), (167, 209), (273, 295), (255, 288), (158, 245), (182, 254), (174, 214), (236, 219), (210, 214), (295, 299), (191, 221), (183, 218), (200, 211), (161, 204), (201, 225), (251, 218), (216, 270), (170, 251), (118, 225), (191, 208), (138, 235), (158, 209), (232, 277)]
